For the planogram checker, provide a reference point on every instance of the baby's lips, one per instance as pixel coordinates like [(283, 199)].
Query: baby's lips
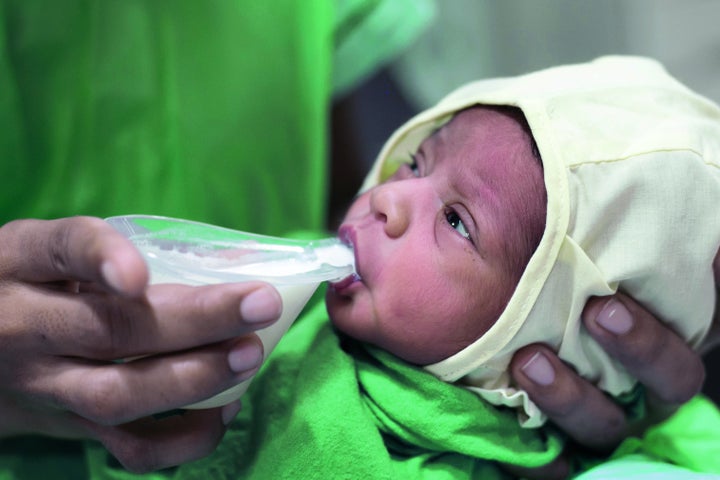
[(343, 284)]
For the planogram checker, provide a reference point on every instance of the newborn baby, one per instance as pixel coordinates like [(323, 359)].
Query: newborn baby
[(489, 220)]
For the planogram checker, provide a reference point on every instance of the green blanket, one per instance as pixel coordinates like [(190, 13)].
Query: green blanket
[(326, 407), (316, 411)]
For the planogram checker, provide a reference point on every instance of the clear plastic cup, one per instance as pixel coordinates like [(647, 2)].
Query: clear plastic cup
[(192, 253)]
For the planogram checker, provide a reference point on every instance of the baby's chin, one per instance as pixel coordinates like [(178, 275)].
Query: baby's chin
[(340, 310), (352, 319), (365, 331)]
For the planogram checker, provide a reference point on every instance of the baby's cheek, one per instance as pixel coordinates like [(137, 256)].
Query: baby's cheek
[(420, 301)]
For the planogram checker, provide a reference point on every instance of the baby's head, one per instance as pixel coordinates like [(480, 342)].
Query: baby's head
[(441, 244), (469, 248)]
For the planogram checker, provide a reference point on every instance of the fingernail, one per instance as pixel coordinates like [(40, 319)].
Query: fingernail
[(615, 317), (262, 305), (539, 369), (244, 357), (230, 411), (109, 273)]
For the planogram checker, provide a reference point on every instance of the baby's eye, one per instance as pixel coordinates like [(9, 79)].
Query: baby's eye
[(456, 222), (413, 165)]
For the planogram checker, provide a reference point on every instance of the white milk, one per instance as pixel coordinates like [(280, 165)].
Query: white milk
[(296, 279), (191, 253), (294, 299)]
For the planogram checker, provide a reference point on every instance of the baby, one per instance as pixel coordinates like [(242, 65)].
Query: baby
[(489, 220), (485, 225)]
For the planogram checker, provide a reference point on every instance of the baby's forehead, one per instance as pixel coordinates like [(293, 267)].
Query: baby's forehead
[(501, 133), (504, 125)]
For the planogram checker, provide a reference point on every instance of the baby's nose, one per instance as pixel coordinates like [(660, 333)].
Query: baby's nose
[(391, 205)]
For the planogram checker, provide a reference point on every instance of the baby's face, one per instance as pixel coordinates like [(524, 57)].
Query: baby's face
[(433, 242)]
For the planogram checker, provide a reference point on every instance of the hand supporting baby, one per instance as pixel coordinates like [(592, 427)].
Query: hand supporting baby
[(74, 299), (670, 371)]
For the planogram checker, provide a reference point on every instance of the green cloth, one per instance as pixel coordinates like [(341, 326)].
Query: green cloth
[(690, 438), (324, 406), (685, 446), (214, 111), (317, 411)]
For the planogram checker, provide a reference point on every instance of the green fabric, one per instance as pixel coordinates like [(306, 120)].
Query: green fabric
[(425, 414), (326, 407), (690, 438), (161, 107), (316, 411)]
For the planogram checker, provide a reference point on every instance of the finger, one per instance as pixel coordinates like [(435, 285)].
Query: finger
[(576, 406), (78, 248), (112, 394), (150, 444), (209, 313), (651, 352), (170, 318)]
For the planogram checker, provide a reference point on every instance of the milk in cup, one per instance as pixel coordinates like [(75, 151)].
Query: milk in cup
[(191, 253)]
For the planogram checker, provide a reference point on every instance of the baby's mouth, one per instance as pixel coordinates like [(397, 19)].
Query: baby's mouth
[(343, 284), (347, 236)]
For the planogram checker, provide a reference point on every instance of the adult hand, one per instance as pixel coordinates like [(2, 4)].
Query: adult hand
[(669, 369), (73, 299)]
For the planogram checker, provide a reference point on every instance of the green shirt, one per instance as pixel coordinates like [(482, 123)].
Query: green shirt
[(214, 111)]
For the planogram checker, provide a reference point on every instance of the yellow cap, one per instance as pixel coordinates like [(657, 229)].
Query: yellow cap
[(632, 170)]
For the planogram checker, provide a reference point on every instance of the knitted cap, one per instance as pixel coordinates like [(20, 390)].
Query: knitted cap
[(631, 163)]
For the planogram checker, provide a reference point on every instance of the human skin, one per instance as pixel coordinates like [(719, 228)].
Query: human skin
[(73, 298), (670, 372), (435, 243)]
